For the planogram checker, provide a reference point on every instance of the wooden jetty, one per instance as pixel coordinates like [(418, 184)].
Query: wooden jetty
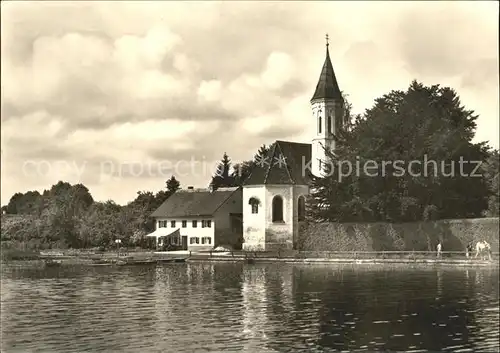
[(132, 261)]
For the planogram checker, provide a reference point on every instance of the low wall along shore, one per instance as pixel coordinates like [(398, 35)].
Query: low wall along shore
[(419, 236)]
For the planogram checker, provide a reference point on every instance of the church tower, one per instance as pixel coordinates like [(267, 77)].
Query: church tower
[(328, 109)]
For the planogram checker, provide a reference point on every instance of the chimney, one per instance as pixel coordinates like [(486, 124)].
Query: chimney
[(190, 188)]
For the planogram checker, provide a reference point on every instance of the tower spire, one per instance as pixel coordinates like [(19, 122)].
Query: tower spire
[(327, 86), (328, 112)]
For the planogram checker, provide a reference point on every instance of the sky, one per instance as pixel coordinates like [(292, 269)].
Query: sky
[(119, 96)]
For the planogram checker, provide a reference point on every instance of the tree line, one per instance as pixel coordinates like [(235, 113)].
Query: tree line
[(421, 123), (67, 216), (401, 125)]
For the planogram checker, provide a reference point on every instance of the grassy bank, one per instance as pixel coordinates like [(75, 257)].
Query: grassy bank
[(18, 255), (73, 256)]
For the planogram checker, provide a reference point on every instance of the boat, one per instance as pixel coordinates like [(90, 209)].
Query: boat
[(167, 261), (52, 263)]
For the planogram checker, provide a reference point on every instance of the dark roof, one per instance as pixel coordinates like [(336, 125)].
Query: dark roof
[(294, 156), (327, 86), (185, 203)]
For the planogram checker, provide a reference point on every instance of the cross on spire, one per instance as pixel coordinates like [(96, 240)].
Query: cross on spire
[(326, 39)]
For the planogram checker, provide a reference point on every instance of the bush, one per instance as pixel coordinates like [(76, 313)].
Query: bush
[(17, 254)]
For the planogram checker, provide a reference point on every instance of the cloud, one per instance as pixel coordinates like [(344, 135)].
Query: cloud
[(87, 86), (210, 90), (443, 41)]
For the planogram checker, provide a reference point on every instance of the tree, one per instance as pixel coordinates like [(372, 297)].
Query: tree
[(424, 124), (53, 215), (101, 224), (67, 216), (21, 203), (61, 209), (491, 173), (242, 171), (223, 176), (172, 184)]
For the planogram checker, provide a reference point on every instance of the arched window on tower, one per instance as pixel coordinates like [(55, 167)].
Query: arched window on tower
[(301, 209), (277, 209), (319, 124), (330, 124)]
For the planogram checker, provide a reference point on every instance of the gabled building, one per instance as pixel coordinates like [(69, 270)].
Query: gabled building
[(200, 219), (272, 200), (274, 197), (274, 194)]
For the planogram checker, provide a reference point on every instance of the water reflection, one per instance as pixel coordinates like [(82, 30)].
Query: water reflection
[(254, 311), (236, 307), (439, 286)]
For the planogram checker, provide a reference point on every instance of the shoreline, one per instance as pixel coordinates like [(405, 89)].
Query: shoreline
[(352, 261), (151, 258)]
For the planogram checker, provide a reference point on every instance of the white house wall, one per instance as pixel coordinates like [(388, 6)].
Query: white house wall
[(192, 232)]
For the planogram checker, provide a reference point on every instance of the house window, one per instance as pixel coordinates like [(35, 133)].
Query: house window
[(301, 207), (162, 224), (184, 224), (195, 224), (206, 240), (209, 224), (206, 223), (277, 209), (330, 124), (254, 202), (172, 224), (194, 240)]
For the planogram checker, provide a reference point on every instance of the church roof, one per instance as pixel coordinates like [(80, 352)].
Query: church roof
[(189, 203), (286, 163), (327, 86)]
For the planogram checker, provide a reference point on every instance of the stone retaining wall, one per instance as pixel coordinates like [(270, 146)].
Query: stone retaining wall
[(418, 236)]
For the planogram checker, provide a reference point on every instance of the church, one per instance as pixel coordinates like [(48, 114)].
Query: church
[(263, 214)]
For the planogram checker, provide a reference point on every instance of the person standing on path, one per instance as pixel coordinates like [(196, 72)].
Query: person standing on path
[(468, 250), (439, 248)]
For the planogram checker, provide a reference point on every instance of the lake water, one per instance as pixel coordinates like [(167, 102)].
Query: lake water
[(251, 308)]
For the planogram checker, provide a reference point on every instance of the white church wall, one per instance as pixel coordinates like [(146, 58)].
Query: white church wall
[(279, 234), (259, 231), (298, 191), (254, 224), (324, 138)]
